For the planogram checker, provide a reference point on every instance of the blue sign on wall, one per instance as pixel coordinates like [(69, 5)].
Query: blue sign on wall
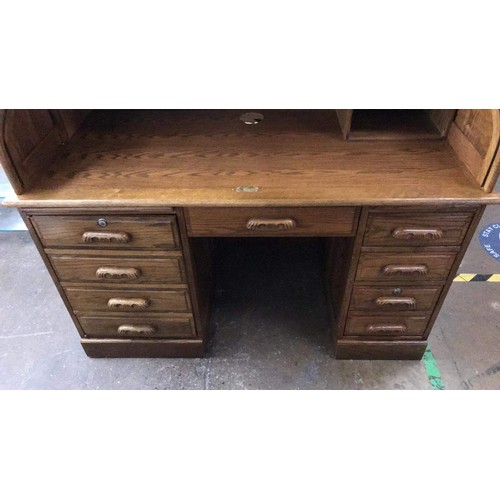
[(490, 240)]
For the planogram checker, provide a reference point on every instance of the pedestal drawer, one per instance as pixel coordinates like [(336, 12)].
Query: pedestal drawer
[(391, 298), (136, 301), (404, 267), (417, 229), (158, 232), (106, 270), (386, 326), (178, 326)]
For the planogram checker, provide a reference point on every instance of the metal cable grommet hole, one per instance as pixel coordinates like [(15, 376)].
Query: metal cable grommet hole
[(251, 118)]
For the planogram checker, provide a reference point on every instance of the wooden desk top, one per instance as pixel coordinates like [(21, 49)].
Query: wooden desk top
[(186, 158)]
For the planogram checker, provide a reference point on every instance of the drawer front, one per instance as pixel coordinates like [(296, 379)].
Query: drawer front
[(389, 298), (404, 267), (107, 270), (272, 221), (120, 231), (138, 327), (127, 301), (387, 326), (416, 229)]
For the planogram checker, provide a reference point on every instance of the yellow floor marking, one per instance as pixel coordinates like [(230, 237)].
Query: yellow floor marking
[(466, 276)]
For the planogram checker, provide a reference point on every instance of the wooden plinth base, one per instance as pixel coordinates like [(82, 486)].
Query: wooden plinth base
[(353, 349)]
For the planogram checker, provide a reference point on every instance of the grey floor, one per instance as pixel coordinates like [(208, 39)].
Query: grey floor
[(269, 329)]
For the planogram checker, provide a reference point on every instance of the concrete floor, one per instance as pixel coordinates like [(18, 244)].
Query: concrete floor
[(465, 339), (279, 341)]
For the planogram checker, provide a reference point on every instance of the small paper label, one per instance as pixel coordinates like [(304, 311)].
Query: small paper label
[(246, 189)]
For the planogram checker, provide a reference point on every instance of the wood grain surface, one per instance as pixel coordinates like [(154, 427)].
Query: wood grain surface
[(382, 229), (371, 267), (144, 232), (397, 124), (96, 300), (234, 221), (475, 137), (30, 141), (173, 326), (373, 326), (71, 268), (364, 298), (294, 158)]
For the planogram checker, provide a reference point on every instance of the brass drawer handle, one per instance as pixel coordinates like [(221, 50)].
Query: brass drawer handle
[(100, 237), (136, 330), (404, 269), (396, 329), (410, 302), (118, 273), (130, 303), (271, 224), (403, 233)]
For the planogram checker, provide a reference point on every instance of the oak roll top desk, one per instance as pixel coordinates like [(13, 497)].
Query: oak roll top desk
[(124, 207)]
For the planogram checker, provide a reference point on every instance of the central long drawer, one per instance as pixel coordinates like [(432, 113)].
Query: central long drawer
[(272, 221)]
